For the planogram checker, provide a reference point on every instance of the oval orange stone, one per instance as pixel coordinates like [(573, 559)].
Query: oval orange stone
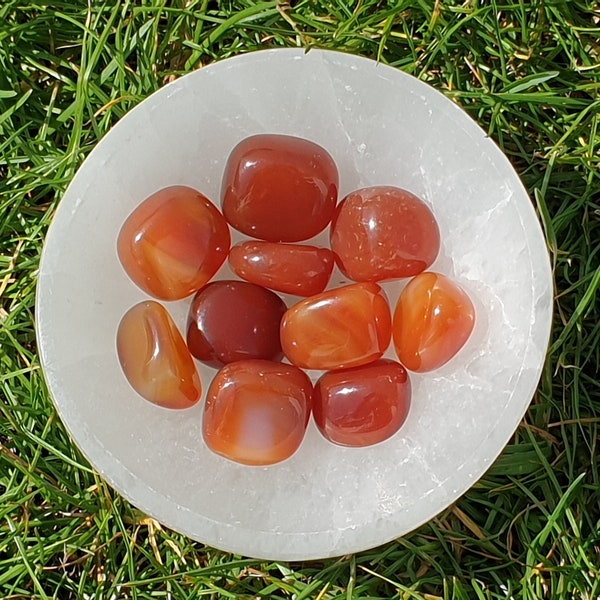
[(433, 319), (345, 327), (279, 188), (383, 232), (155, 358), (173, 242), (256, 411), (296, 269)]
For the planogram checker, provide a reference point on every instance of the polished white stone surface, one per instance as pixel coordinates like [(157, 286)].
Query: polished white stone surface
[(382, 127)]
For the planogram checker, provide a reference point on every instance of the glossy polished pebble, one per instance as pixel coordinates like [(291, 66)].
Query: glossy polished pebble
[(155, 359), (364, 405), (433, 320), (256, 411), (235, 320), (344, 327), (279, 188), (173, 242), (289, 268), (383, 232)]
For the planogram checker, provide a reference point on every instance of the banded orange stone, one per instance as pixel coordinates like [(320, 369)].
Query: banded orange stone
[(173, 242), (155, 358)]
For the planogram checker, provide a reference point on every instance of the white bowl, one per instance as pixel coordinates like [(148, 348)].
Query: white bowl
[(382, 127)]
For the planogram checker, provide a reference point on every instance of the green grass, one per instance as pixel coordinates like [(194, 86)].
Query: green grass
[(528, 71)]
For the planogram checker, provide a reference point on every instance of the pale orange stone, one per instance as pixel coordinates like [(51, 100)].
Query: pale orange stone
[(256, 411), (155, 358), (345, 327), (433, 320), (173, 243)]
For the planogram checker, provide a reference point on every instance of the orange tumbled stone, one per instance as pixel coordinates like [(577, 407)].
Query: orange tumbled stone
[(279, 188), (344, 327), (380, 233), (433, 320), (256, 411), (297, 269), (155, 358), (173, 242), (363, 405)]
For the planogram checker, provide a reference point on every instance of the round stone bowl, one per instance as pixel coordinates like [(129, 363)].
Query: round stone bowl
[(382, 127)]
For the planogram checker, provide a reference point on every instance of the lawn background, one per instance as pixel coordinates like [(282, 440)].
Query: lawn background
[(528, 72)]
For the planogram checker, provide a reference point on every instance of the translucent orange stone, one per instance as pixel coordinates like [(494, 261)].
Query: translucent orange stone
[(344, 327), (256, 411), (363, 405), (155, 358), (279, 188), (296, 269), (383, 232), (433, 320), (173, 242)]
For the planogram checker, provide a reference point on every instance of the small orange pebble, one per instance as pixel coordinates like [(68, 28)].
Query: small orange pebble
[(173, 242), (256, 411), (344, 327), (155, 358), (296, 269), (363, 405), (433, 319)]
